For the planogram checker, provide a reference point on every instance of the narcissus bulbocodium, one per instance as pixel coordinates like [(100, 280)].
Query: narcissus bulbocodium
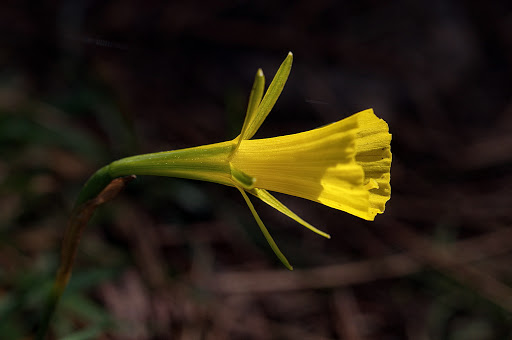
[(344, 165)]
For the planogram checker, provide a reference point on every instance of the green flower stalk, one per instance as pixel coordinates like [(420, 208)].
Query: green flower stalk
[(344, 165)]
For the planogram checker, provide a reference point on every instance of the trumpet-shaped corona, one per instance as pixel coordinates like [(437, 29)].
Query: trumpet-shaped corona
[(344, 165)]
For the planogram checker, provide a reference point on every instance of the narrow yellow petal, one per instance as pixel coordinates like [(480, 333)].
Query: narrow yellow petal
[(266, 197), (270, 98), (254, 101), (264, 230)]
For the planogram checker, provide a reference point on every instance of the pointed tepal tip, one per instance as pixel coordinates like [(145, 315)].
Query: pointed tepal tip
[(289, 57), (259, 73)]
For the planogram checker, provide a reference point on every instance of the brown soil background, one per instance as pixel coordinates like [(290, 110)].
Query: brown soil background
[(86, 82)]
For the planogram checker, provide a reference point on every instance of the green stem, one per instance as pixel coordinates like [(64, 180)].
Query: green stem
[(100, 188), (94, 185)]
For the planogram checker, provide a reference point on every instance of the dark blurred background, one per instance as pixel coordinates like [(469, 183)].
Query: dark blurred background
[(83, 83)]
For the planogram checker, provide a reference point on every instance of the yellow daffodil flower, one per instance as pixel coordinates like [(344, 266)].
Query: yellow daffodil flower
[(343, 165)]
